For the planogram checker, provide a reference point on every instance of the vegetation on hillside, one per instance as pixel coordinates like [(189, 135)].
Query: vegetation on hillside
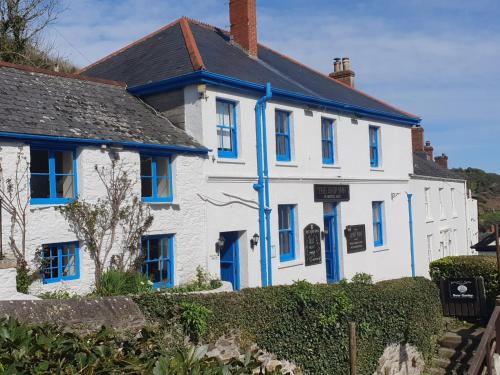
[(486, 189), (22, 27)]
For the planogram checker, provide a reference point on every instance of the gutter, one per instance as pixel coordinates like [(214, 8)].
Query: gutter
[(262, 188), (412, 242), (103, 142), (215, 79)]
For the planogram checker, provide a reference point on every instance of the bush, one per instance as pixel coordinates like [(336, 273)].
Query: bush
[(58, 294), (193, 318), (23, 278), (118, 283), (308, 324), (469, 266)]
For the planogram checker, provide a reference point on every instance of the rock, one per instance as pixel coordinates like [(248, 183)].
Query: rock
[(400, 360)]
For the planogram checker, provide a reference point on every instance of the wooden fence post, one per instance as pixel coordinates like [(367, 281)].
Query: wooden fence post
[(352, 347)]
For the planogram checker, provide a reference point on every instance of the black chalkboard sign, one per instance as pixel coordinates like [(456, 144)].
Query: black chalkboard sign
[(356, 238), (331, 193), (462, 289), (464, 297), (312, 244)]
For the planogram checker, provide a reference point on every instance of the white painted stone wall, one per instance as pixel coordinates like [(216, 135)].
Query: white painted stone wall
[(232, 201), (460, 222), (184, 217)]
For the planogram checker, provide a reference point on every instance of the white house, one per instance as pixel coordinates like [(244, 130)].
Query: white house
[(275, 172), (445, 214)]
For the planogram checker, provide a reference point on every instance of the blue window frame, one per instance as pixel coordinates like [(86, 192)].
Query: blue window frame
[(286, 223), (378, 223), (60, 261), (282, 126), (374, 146), (327, 141), (158, 265), (52, 176), (156, 178), (227, 132)]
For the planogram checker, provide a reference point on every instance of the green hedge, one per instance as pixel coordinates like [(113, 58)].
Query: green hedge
[(309, 324), (469, 266)]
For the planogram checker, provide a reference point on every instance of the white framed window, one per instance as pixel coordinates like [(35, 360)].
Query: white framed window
[(442, 213), (429, 248), (427, 198), (453, 206)]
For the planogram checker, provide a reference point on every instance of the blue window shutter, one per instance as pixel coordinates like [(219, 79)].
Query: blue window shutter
[(227, 129)]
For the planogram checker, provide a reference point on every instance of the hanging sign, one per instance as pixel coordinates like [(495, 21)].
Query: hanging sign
[(462, 289), (356, 238), (312, 244), (331, 193)]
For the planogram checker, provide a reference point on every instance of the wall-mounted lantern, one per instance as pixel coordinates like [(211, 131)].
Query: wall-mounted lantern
[(220, 244), (254, 241)]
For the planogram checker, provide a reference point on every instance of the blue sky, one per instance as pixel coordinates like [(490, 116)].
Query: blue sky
[(439, 59)]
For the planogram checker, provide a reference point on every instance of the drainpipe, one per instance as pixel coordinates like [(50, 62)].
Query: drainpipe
[(259, 186), (267, 209), (412, 244)]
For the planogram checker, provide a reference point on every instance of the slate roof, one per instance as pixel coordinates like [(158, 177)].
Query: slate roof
[(36, 102), (187, 45), (488, 243), (428, 168)]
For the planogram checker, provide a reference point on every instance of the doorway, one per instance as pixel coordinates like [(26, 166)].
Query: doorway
[(332, 255), (230, 259)]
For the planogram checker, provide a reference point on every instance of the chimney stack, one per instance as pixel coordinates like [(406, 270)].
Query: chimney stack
[(429, 150), (346, 75), (442, 161), (243, 18), (417, 139)]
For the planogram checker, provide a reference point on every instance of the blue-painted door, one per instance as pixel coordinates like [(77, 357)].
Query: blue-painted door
[(332, 255), (230, 259)]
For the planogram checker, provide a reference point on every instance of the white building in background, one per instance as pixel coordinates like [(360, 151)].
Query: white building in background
[(445, 215), (275, 172)]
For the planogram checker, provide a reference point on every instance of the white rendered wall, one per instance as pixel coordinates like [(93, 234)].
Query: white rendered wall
[(457, 221), (185, 217), (232, 201)]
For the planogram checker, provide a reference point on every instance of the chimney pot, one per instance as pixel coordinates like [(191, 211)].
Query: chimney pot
[(429, 150), (243, 18), (442, 160), (417, 139), (346, 75), (336, 65)]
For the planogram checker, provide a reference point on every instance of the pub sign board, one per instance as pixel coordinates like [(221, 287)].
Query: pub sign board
[(463, 289), (331, 193), (312, 244), (356, 238)]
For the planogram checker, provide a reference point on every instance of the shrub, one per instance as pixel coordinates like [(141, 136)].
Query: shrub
[(202, 282), (58, 294), (308, 324), (23, 278), (115, 283), (362, 278), (469, 266), (194, 319)]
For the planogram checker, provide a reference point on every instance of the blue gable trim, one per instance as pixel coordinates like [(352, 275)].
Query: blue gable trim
[(44, 139), (207, 77)]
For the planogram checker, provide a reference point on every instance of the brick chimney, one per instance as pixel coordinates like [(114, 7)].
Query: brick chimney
[(429, 150), (442, 161), (243, 18), (417, 139), (346, 75)]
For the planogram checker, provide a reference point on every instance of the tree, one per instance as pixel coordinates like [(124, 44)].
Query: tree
[(14, 199), (99, 224)]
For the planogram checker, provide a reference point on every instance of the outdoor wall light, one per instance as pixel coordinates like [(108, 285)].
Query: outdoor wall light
[(202, 92), (220, 244), (254, 241)]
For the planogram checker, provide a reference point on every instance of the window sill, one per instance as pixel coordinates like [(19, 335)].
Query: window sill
[(443, 218), (290, 263), (230, 161), (286, 164), (172, 203), (49, 204), (331, 166), (429, 220), (377, 169), (381, 249)]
